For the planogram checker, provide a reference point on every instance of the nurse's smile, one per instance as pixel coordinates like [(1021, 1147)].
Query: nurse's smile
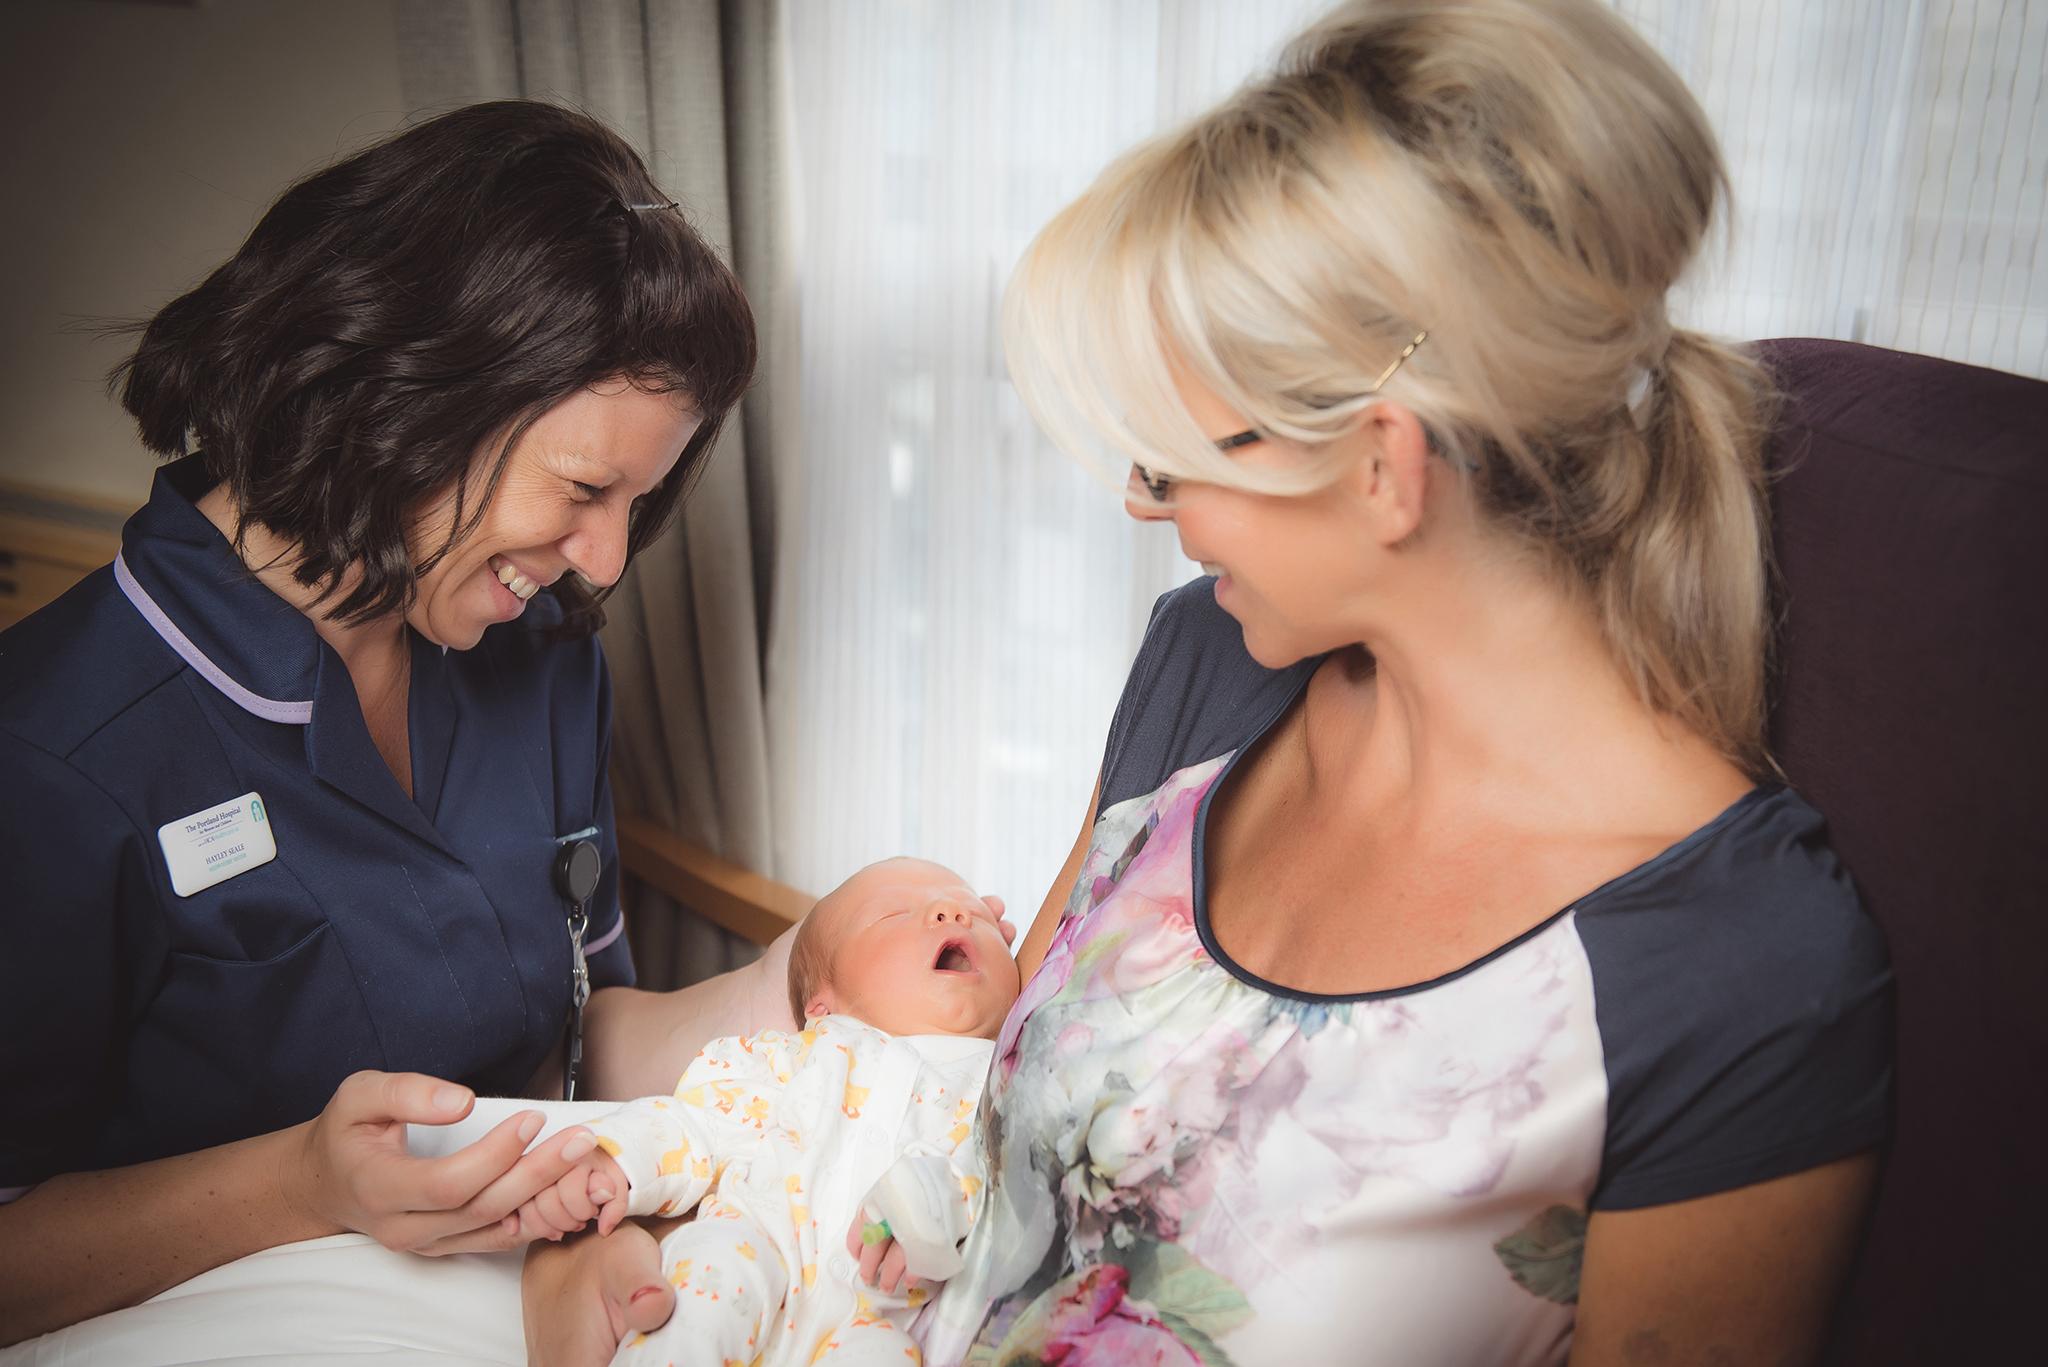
[(518, 585), (561, 506)]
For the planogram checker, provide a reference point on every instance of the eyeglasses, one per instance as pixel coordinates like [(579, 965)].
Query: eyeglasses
[(1160, 485)]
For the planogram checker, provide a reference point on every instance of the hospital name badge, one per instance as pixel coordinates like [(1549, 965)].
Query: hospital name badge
[(214, 845)]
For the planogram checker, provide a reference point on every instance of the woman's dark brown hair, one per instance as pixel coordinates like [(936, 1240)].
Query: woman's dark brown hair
[(403, 310)]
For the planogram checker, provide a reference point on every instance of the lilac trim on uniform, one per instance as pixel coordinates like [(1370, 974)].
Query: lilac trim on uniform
[(9, 1194), (610, 935), (289, 713)]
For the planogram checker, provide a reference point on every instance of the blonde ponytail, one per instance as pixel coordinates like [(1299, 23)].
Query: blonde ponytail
[(1683, 591)]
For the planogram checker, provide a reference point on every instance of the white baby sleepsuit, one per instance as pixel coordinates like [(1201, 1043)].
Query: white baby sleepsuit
[(777, 1139)]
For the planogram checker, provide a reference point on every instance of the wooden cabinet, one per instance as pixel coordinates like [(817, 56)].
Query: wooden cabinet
[(48, 542)]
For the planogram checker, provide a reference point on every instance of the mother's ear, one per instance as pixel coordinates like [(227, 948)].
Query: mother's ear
[(1390, 478)]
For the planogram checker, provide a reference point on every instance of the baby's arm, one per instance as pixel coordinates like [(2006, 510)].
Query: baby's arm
[(659, 1155), (921, 1209)]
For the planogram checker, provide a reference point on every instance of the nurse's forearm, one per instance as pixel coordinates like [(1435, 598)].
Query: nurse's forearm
[(85, 1243), (638, 1043)]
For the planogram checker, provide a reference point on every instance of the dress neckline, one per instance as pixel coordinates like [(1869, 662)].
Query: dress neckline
[(1199, 879)]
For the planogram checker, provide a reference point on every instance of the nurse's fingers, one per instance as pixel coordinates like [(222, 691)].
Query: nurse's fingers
[(453, 1182), (525, 1179), (502, 1237), (375, 1098)]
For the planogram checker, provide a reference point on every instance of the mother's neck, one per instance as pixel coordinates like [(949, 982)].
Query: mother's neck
[(1482, 680)]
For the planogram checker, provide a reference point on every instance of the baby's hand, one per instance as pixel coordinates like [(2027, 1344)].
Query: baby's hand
[(880, 1256), (594, 1189)]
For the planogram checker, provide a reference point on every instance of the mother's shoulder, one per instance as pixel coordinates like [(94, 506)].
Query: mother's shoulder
[(1759, 887)]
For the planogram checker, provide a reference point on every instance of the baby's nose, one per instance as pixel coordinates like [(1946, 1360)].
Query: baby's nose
[(940, 913)]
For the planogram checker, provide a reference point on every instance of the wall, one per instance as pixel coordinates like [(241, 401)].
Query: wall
[(143, 140)]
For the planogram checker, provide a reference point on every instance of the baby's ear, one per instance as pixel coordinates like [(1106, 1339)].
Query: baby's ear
[(820, 1004)]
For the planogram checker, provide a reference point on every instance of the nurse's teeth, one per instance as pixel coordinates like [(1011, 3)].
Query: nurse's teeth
[(522, 587)]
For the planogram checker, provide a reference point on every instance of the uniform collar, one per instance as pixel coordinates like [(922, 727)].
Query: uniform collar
[(264, 656), (187, 582)]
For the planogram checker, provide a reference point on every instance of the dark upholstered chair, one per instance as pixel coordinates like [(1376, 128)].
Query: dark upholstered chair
[(1911, 500)]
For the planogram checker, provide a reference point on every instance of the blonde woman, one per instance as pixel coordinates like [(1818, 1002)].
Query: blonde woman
[(1440, 976)]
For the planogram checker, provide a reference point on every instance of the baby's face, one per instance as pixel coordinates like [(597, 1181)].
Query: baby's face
[(916, 952)]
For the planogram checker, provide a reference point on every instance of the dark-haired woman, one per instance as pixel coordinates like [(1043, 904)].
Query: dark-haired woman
[(285, 782)]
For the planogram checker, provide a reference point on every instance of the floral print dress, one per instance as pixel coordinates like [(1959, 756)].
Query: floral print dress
[(1189, 1165)]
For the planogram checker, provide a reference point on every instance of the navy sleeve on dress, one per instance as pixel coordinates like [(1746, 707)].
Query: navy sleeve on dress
[(1192, 694), (80, 943), (1744, 1001)]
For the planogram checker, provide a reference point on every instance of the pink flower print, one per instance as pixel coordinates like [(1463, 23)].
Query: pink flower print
[(1093, 1323), (1162, 873), (1441, 1111), (1073, 1040), (1051, 978)]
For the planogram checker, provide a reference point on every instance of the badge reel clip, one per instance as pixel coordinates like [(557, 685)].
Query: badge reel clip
[(577, 866)]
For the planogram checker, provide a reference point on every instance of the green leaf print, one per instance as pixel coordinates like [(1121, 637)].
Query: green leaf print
[(1180, 1286), (1544, 1255), (1200, 1344), (1089, 956)]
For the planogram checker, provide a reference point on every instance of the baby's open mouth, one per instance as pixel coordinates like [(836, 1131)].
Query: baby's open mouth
[(953, 958)]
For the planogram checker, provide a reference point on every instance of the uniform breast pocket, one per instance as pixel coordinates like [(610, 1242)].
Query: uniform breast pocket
[(235, 1047), (252, 918)]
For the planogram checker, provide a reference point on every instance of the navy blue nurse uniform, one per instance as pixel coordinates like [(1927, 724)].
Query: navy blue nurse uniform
[(419, 933)]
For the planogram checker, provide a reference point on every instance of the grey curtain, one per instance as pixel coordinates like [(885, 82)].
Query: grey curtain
[(698, 86)]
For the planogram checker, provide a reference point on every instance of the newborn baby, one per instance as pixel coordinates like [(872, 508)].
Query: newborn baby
[(783, 1142)]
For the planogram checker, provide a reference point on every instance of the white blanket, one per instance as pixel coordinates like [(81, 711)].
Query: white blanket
[(342, 1297)]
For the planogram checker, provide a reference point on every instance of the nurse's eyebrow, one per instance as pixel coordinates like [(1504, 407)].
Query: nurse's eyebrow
[(588, 461)]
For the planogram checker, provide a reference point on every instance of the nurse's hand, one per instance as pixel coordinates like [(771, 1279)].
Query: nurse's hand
[(355, 1171)]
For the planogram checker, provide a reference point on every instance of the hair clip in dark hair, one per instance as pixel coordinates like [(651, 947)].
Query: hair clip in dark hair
[(644, 208)]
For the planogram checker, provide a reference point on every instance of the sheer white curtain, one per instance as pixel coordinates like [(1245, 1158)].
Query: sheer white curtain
[(956, 604), (1890, 160)]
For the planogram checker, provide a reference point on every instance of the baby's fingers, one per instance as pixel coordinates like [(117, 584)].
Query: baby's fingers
[(552, 1212), (574, 1190), (871, 1256), (890, 1273), (612, 1215)]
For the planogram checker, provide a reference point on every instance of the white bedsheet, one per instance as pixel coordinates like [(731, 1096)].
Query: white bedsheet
[(339, 1298)]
